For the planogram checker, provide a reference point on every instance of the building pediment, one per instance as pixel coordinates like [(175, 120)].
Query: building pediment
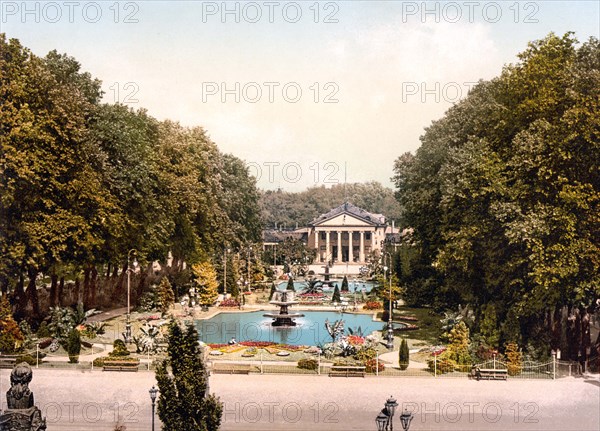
[(349, 215), (345, 220)]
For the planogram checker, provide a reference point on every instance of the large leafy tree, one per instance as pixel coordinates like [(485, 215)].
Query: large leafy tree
[(184, 403), (503, 195), (84, 184)]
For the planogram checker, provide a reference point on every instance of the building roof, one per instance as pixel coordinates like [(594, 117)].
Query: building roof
[(274, 236), (353, 210)]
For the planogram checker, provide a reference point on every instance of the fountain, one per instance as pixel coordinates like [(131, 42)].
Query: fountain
[(283, 318)]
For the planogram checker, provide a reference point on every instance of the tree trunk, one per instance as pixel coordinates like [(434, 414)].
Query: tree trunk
[(85, 297), (61, 292), (93, 286), (77, 291), (32, 295), (53, 289)]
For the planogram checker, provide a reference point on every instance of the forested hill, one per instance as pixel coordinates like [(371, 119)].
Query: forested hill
[(286, 209)]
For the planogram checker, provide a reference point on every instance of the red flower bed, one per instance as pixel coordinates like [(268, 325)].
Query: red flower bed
[(356, 340), (229, 303), (217, 346), (373, 305)]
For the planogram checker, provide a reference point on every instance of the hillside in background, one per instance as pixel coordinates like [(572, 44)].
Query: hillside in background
[(286, 210)]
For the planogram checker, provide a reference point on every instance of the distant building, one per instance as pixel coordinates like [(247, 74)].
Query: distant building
[(343, 237)]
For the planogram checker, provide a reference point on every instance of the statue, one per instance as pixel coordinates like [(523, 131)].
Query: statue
[(22, 414)]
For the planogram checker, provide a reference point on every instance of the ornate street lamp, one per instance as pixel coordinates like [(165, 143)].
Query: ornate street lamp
[(129, 271), (390, 408), (405, 419), (390, 329), (384, 419), (381, 420), (153, 391)]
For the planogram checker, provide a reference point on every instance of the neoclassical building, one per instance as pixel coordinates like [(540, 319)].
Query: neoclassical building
[(343, 237), (346, 234)]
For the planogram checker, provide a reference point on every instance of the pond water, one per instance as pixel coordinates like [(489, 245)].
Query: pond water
[(310, 329)]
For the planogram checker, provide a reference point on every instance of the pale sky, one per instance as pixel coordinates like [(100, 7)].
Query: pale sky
[(256, 75)]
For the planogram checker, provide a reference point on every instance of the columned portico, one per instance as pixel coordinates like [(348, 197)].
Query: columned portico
[(354, 231)]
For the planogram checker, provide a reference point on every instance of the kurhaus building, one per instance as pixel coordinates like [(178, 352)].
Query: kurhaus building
[(343, 237)]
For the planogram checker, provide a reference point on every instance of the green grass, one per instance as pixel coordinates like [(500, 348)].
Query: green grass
[(428, 322)]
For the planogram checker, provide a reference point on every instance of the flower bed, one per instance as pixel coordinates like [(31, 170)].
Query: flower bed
[(372, 305), (229, 303), (256, 343), (408, 318), (355, 340), (407, 327)]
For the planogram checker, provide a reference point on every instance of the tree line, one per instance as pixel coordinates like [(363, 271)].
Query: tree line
[(87, 186), (503, 196), (286, 210)]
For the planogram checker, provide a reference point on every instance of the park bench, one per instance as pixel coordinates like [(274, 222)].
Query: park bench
[(120, 366), (489, 373), (7, 362), (346, 371), (225, 368)]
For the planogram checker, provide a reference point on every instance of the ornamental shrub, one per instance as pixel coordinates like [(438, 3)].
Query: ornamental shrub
[(308, 364), (445, 364), (373, 364), (365, 354), (73, 346), (403, 355), (514, 359), (119, 349)]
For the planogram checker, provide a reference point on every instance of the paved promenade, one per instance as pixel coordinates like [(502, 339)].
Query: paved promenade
[(95, 400)]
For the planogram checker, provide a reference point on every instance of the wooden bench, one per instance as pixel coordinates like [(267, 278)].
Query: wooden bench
[(489, 373), (120, 366), (225, 368), (7, 363), (346, 371)]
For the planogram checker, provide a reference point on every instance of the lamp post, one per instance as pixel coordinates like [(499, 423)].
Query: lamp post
[(384, 419), (129, 271), (248, 267), (225, 272), (153, 391), (390, 408), (390, 329), (405, 419)]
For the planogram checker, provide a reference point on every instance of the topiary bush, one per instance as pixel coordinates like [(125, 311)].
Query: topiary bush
[(403, 355), (73, 346), (119, 349)]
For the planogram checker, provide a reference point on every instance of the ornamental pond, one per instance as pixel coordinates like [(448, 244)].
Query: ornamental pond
[(253, 326)]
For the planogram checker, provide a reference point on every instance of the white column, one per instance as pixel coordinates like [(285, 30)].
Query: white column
[(317, 246), (361, 253), (339, 250), (350, 246), (327, 247)]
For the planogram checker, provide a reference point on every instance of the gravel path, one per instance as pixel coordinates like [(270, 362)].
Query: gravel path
[(95, 400)]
